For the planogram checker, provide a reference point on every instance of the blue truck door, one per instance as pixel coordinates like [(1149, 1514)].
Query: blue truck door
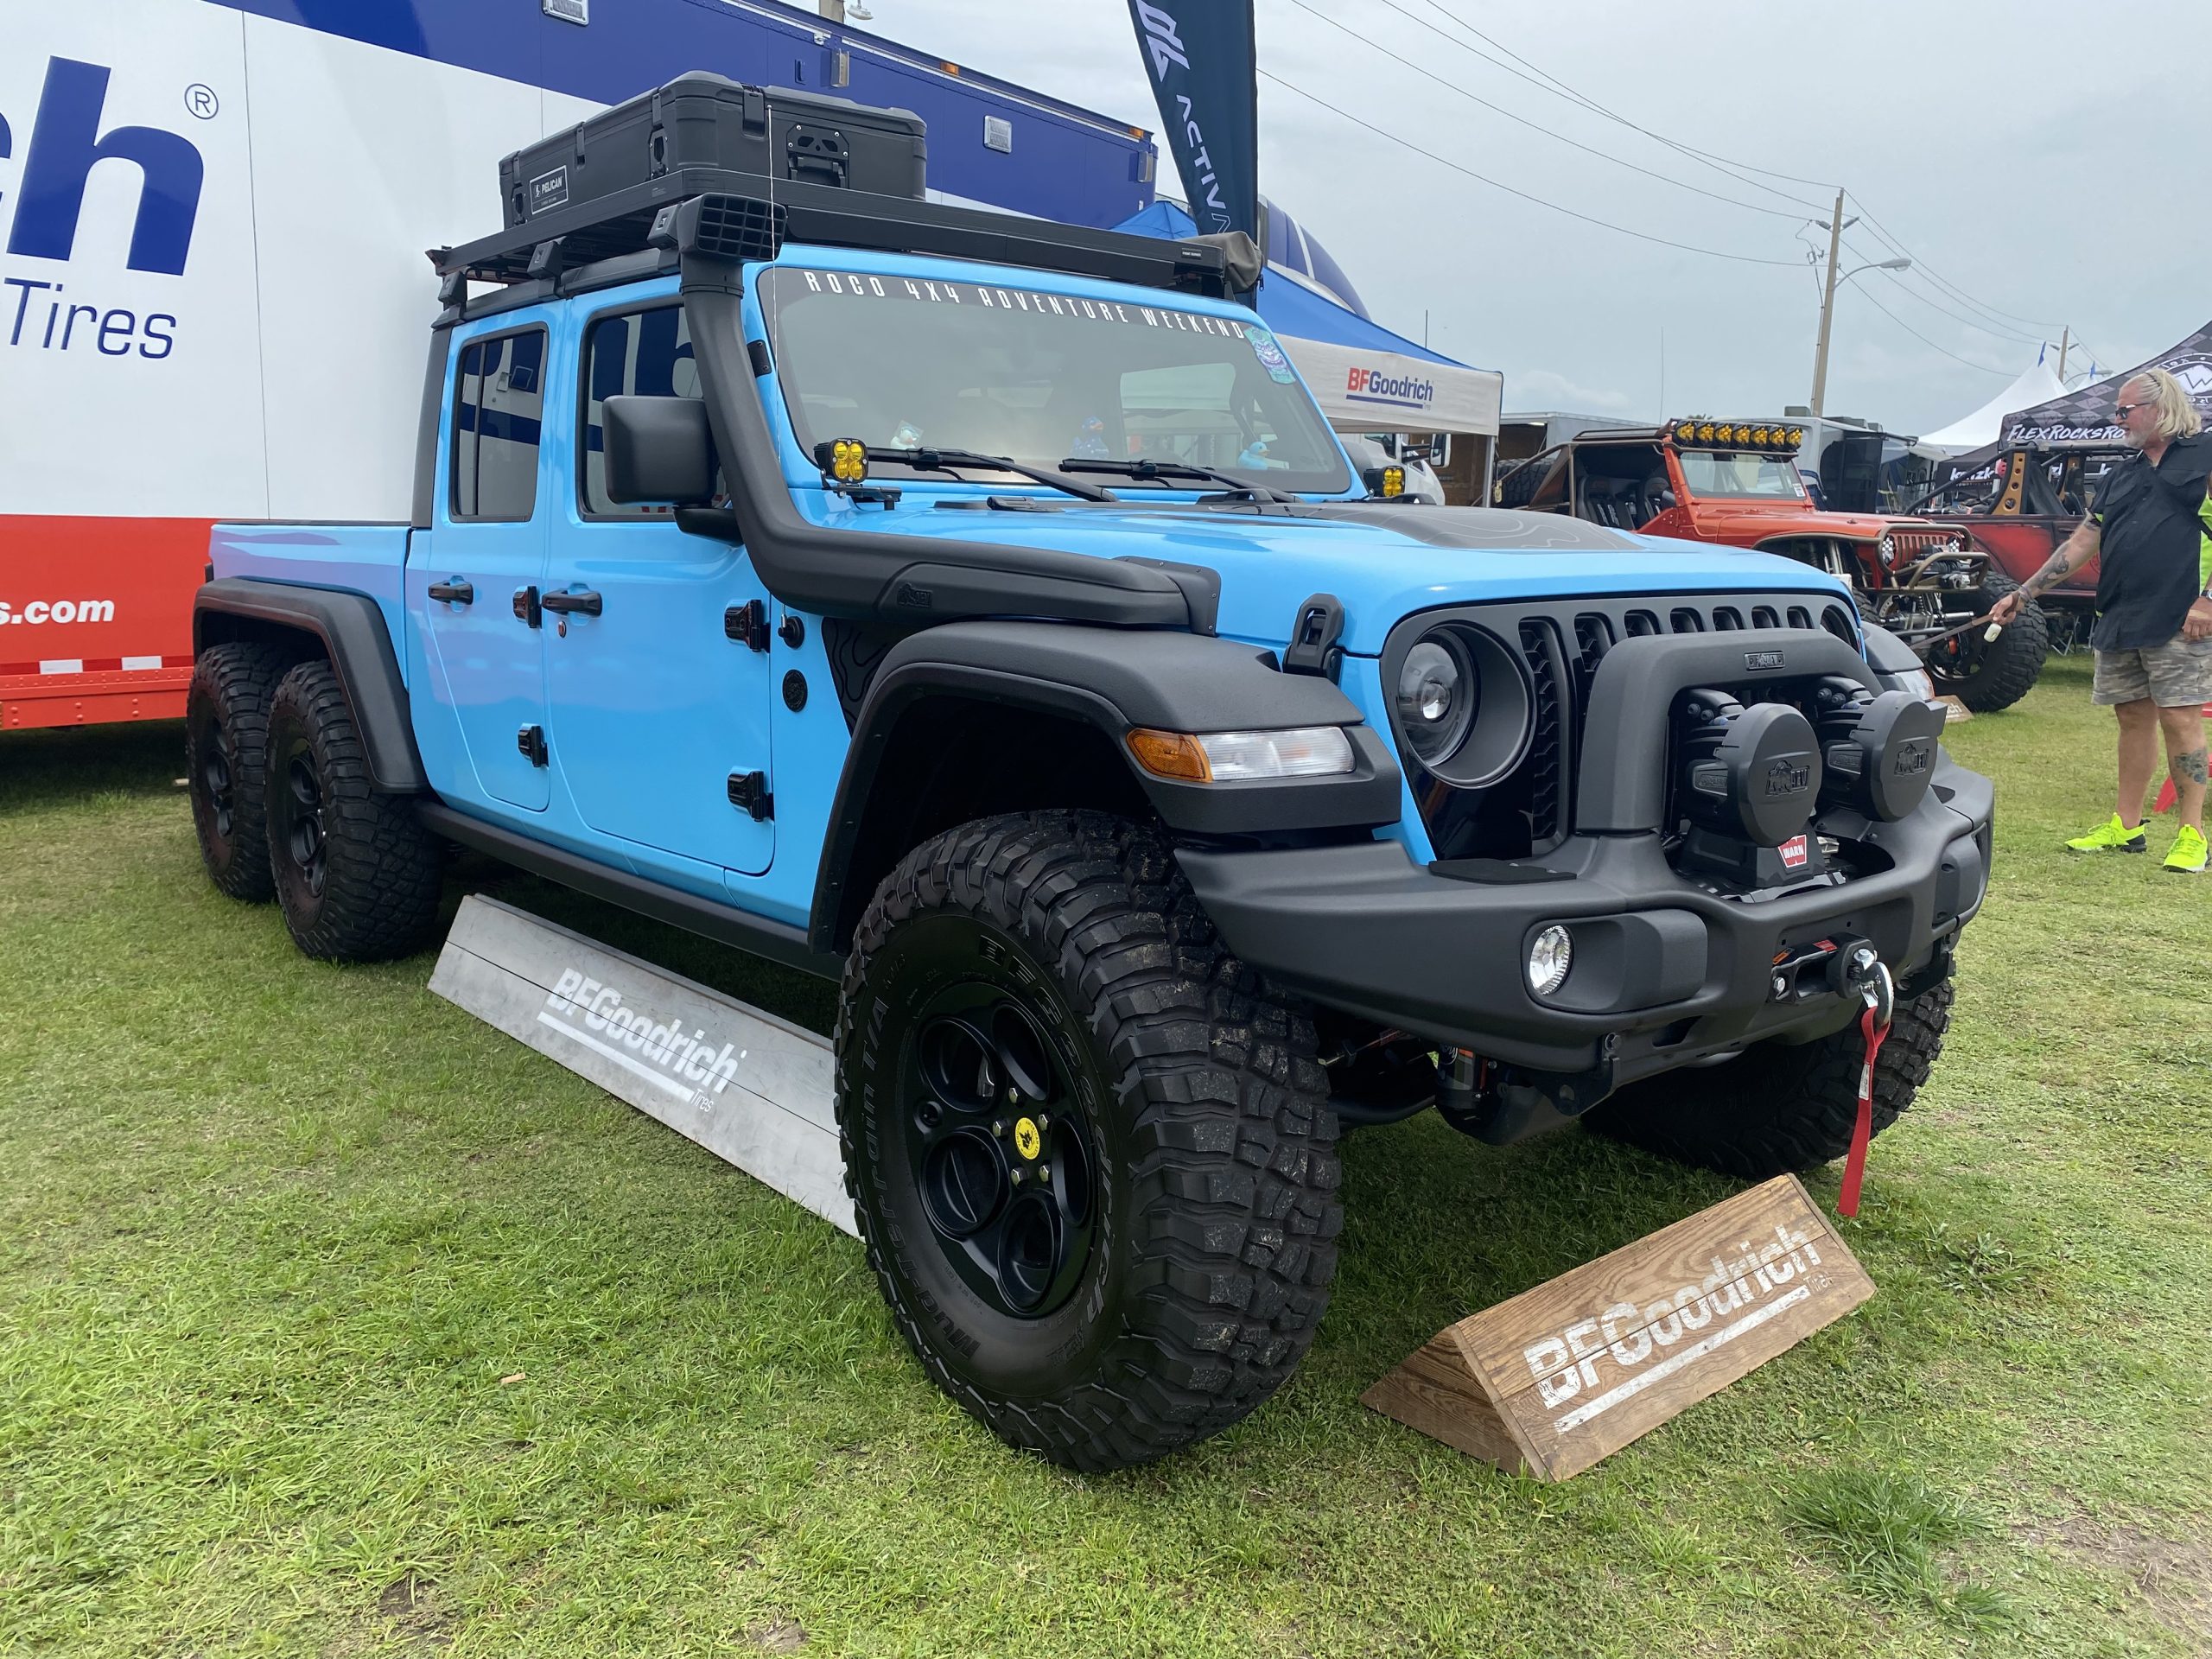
[(659, 691), (478, 571)]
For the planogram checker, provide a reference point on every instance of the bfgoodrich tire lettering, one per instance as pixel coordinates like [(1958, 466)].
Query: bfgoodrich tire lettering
[(1778, 1108), (356, 873), (225, 746), (1191, 1094)]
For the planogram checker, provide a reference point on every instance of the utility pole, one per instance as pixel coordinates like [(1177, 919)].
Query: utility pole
[(1827, 304), (2065, 336)]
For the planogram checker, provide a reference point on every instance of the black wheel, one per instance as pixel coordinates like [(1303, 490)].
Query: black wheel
[(226, 744), (1779, 1109), (1092, 1154), (356, 873), (1987, 676)]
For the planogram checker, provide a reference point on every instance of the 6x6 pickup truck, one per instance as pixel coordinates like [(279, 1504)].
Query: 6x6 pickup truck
[(892, 590)]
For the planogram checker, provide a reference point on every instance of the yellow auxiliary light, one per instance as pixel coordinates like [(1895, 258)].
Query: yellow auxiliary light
[(1705, 431), (1796, 437), (1759, 436), (845, 460), (1392, 484)]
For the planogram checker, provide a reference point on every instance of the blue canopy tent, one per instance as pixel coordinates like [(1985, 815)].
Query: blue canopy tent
[(1366, 379)]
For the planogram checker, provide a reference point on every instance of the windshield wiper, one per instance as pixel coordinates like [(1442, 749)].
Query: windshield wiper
[(1146, 469), (938, 460)]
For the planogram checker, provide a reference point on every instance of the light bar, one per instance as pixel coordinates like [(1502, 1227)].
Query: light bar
[(1700, 433)]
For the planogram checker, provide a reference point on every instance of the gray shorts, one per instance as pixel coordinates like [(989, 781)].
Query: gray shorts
[(2174, 675)]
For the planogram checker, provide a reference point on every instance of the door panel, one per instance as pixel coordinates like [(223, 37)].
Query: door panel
[(488, 666), (654, 707)]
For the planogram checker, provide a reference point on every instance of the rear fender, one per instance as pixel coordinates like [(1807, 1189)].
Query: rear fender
[(345, 629)]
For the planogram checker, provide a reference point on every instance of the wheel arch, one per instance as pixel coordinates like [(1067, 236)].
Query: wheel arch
[(344, 629), (971, 719)]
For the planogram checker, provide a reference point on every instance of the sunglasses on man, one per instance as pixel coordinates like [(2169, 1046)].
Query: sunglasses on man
[(2121, 411)]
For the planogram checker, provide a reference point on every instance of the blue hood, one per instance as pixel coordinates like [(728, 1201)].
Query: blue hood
[(1381, 570)]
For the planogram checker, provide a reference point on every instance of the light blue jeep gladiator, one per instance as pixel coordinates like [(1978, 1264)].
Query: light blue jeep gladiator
[(979, 611)]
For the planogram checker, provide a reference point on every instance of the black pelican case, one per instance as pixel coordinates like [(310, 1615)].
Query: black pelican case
[(709, 120)]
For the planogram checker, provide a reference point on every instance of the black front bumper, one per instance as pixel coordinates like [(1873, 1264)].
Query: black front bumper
[(1665, 972)]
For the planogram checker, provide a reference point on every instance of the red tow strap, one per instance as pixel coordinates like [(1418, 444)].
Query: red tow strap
[(1854, 1167)]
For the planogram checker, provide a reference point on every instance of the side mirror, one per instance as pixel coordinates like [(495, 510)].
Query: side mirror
[(658, 449)]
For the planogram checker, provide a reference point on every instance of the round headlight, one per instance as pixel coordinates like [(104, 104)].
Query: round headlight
[(1436, 693), (1551, 953)]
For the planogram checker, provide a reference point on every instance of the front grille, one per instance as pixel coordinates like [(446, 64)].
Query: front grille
[(1914, 545), (1562, 642)]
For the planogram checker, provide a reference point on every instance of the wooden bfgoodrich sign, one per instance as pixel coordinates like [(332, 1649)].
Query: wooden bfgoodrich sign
[(1571, 1371)]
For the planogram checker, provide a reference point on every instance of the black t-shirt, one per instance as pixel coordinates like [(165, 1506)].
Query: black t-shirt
[(2149, 569)]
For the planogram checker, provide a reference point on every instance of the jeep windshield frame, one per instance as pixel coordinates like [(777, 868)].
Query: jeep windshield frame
[(903, 363), (1747, 476)]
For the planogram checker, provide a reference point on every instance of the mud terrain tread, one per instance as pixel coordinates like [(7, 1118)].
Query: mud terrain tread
[(1236, 1170), (1780, 1109), (2012, 666), (380, 898), (235, 682)]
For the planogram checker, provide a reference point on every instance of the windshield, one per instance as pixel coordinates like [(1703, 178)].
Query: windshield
[(1723, 473), (900, 363)]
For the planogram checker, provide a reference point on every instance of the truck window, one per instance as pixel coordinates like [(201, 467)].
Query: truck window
[(636, 354), (499, 395)]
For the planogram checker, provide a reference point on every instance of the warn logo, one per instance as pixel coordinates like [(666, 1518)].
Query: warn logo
[(67, 143)]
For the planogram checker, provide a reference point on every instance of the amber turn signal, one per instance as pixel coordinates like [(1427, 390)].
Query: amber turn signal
[(1170, 754)]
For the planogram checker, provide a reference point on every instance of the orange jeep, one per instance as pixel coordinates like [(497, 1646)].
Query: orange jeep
[(1736, 482)]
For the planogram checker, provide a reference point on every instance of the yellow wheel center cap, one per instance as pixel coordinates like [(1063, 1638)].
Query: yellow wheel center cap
[(1027, 1140)]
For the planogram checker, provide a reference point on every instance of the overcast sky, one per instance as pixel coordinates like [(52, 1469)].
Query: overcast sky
[(2045, 161)]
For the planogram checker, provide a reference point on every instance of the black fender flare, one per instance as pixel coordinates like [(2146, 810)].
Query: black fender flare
[(1115, 680), (351, 630)]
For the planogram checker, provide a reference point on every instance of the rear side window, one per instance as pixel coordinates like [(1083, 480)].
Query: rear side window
[(499, 395), (637, 354)]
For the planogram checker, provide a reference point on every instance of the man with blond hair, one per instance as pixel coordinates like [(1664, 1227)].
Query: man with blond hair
[(2151, 532)]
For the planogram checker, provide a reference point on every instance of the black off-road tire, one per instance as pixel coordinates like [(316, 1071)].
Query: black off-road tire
[(356, 874), (1780, 1109), (1210, 1141), (226, 748), (1990, 676)]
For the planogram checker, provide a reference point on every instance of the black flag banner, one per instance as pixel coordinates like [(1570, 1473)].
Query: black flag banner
[(2086, 416), (1204, 78)]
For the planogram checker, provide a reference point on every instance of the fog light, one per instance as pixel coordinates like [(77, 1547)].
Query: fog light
[(1549, 958)]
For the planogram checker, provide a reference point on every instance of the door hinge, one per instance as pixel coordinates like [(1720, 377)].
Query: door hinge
[(530, 740), (749, 623), (750, 791)]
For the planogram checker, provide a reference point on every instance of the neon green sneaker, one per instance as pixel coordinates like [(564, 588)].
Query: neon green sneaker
[(2189, 854), (2110, 837)]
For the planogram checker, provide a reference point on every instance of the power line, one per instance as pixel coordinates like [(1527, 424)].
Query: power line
[(1558, 88), (1640, 236), (1924, 339), (2013, 335), (1588, 150), (1883, 235)]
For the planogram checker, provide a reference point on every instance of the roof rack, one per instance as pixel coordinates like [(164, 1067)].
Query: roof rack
[(744, 215)]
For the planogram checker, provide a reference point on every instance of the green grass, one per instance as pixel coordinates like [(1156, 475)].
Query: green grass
[(333, 1322)]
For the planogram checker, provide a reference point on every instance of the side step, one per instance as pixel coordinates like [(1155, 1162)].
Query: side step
[(753, 1090)]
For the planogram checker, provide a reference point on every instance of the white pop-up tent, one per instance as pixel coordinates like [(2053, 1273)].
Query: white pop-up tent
[(2036, 385)]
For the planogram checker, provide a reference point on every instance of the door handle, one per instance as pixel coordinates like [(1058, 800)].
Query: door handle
[(459, 591), (587, 603), (526, 606)]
